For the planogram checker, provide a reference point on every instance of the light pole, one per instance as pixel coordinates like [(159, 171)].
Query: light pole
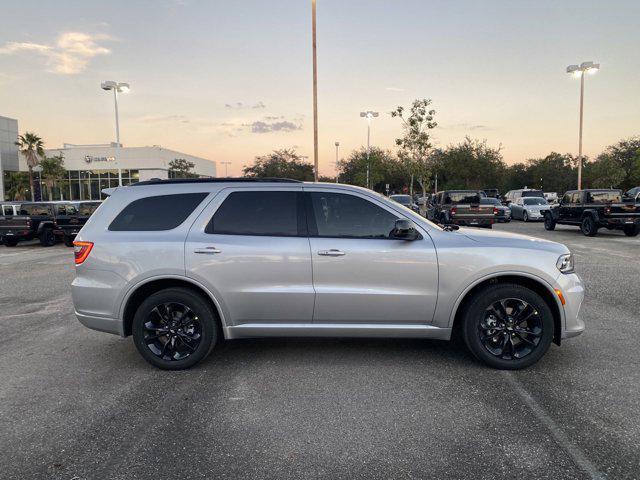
[(226, 168), (315, 91), (579, 71), (117, 87), (368, 115), (337, 171)]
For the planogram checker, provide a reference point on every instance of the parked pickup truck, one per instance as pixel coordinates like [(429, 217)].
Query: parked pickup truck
[(35, 220), (461, 207), (593, 209), (71, 217)]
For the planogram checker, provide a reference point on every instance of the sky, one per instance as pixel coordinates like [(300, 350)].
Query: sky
[(230, 80)]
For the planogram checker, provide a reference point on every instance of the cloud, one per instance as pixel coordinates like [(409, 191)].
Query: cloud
[(267, 127), (240, 105), (70, 55), (469, 126), (176, 118), (394, 89)]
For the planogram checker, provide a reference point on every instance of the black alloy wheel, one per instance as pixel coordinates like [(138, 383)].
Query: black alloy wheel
[(507, 326), (47, 238), (525, 216), (511, 328), (549, 224), (174, 329), (588, 226), (631, 230)]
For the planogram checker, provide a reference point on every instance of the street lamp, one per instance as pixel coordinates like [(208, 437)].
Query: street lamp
[(579, 71), (226, 168), (117, 87), (337, 171), (368, 115), (315, 91)]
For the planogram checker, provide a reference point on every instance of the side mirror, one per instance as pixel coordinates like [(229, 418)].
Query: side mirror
[(405, 230)]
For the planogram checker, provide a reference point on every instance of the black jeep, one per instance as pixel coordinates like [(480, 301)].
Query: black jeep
[(593, 209), (33, 220), (71, 216)]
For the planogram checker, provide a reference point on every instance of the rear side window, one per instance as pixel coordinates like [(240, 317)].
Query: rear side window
[(162, 212), (265, 213)]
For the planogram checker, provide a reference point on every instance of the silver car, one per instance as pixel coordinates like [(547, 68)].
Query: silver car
[(177, 264), (529, 208)]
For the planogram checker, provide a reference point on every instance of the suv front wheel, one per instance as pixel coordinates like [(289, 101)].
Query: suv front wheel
[(174, 329), (507, 326)]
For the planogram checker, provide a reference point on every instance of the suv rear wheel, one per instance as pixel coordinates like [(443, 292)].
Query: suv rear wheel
[(588, 226), (10, 242), (507, 326), (549, 224), (174, 329)]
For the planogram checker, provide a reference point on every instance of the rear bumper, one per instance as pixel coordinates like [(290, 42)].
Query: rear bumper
[(620, 221), (102, 324), (470, 222)]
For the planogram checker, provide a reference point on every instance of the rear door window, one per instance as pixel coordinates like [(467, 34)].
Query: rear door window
[(260, 213), (162, 212)]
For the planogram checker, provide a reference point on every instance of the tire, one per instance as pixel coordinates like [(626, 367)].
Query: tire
[(525, 216), (169, 354), (47, 238), (10, 242), (549, 223), (631, 230), (588, 226), (68, 241), (499, 349)]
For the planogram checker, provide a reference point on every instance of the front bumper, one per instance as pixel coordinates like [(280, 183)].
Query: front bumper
[(573, 292)]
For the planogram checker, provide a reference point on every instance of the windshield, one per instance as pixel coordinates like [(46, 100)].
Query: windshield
[(403, 199), (535, 201), (532, 193), (490, 201)]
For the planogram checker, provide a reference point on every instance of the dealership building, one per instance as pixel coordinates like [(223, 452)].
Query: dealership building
[(91, 168)]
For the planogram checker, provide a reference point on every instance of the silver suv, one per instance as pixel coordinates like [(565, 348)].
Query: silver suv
[(181, 264)]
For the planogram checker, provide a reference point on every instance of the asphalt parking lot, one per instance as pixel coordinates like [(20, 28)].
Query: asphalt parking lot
[(77, 404)]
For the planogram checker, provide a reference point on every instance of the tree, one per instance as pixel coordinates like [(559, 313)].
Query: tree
[(626, 154), (52, 171), (181, 168), (18, 183), (471, 165), (383, 168), (32, 147), (414, 145), (604, 172), (284, 163)]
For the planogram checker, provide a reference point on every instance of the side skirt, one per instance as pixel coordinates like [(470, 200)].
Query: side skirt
[(370, 330)]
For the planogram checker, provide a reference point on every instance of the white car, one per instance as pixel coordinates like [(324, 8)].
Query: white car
[(529, 208)]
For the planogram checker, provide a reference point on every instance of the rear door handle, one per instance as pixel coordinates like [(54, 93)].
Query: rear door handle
[(207, 250), (331, 253)]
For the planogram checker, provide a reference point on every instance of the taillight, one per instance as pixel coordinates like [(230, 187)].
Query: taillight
[(81, 251), (454, 210), (607, 211), (495, 210), (28, 222)]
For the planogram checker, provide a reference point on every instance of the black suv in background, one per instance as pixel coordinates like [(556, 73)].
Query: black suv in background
[(593, 209), (70, 217), (34, 220)]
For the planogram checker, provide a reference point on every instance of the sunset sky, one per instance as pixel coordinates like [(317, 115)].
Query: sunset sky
[(229, 80)]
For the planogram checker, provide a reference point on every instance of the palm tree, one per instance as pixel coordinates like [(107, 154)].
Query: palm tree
[(32, 147), (19, 185)]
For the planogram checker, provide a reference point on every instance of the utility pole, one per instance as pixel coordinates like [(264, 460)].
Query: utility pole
[(315, 91)]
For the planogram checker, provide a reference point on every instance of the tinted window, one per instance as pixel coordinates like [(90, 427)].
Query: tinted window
[(276, 214), (348, 216), (35, 209), (575, 197), (402, 199), (604, 197), (462, 197), (532, 193), (490, 201), (162, 212), (86, 209)]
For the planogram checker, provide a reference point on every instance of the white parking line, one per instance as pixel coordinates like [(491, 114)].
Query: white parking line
[(561, 439)]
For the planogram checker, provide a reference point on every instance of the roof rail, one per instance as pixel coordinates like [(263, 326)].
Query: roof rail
[(158, 181)]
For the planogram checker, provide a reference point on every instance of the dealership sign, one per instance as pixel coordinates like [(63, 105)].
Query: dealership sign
[(92, 159)]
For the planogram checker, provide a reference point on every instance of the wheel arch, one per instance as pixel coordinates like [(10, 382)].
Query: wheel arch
[(532, 282), (136, 295)]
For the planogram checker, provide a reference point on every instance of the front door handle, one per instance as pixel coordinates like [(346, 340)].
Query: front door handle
[(331, 253), (207, 250)]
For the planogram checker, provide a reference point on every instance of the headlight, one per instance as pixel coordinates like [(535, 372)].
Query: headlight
[(565, 263)]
